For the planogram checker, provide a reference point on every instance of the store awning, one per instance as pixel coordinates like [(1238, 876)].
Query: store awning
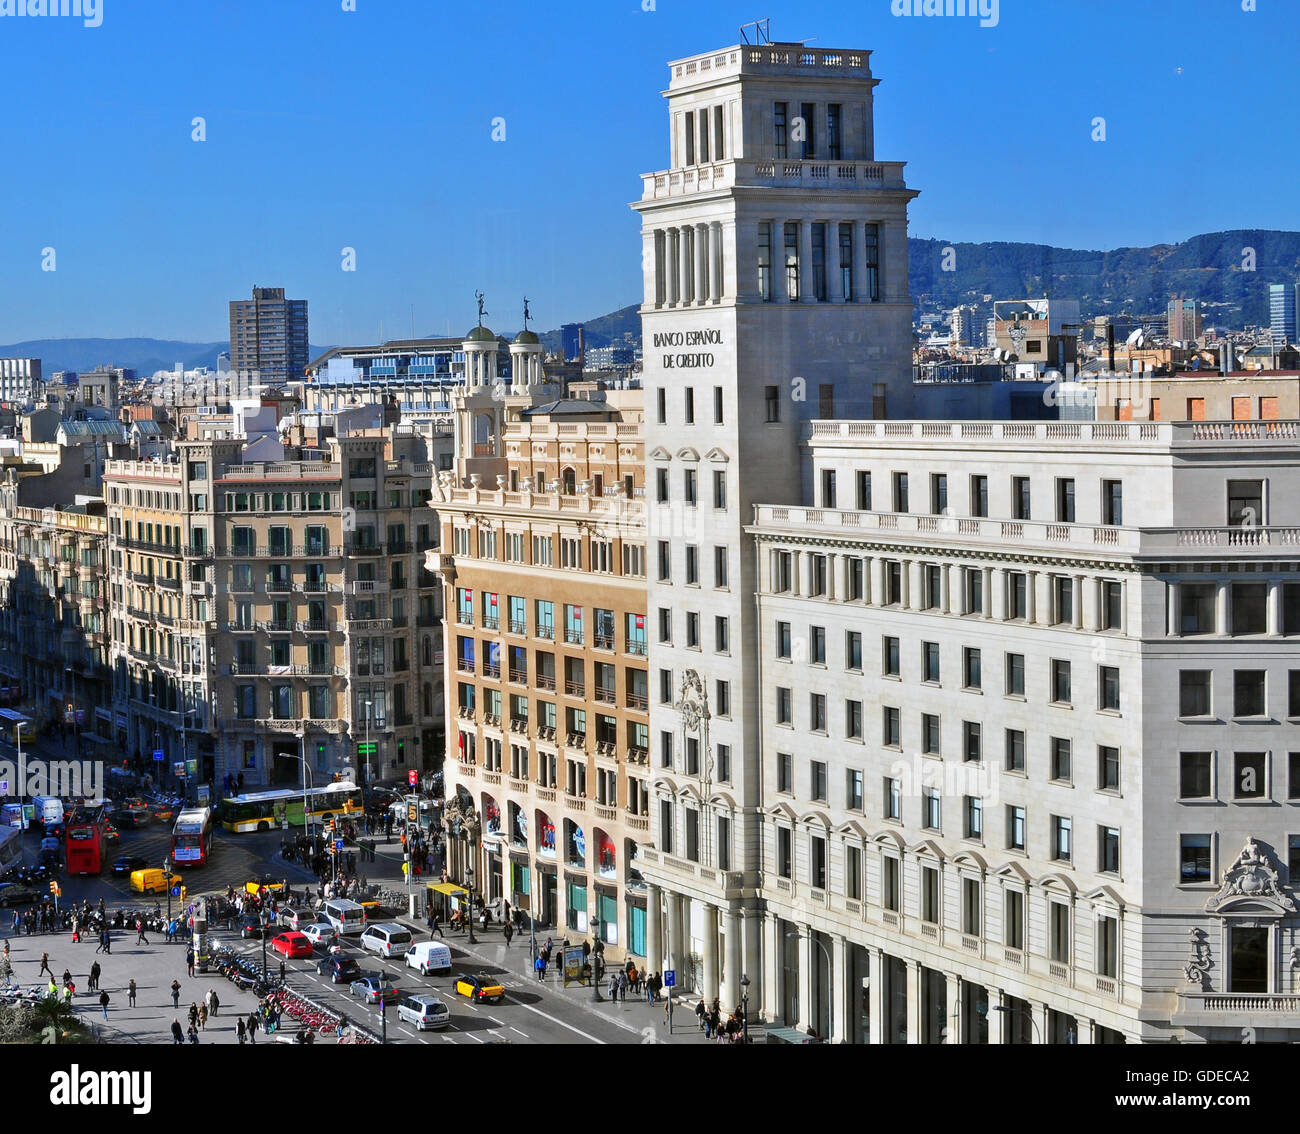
[(448, 888)]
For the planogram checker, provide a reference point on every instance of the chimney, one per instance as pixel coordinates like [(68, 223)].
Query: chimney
[(1110, 346), (1225, 357)]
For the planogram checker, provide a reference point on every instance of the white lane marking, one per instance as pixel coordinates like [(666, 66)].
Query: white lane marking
[(448, 1039), (475, 1038), (555, 1020), (518, 1032)]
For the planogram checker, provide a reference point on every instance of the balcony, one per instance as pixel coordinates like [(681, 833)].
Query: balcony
[(279, 586), (547, 632), (492, 719), (546, 681), (430, 620), (638, 701), (368, 587), (276, 627), (638, 756), (369, 625), (606, 696), (491, 622), (636, 646), (398, 547), (466, 712), (1237, 1009), (575, 689), (573, 637), (314, 626), (518, 626), (606, 748), (492, 670), (603, 641), (363, 549), (465, 665), (519, 677)]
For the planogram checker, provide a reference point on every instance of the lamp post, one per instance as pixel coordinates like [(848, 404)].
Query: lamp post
[(1033, 1024), (469, 824), (263, 920), (167, 881), (367, 756), (595, 956), (744, 1008)]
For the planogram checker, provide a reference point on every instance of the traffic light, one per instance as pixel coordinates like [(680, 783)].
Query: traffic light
[(54, 889)]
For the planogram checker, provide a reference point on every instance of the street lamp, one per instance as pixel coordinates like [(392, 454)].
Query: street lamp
[(1026, 1011), (595, 979), (263, 920), (167, 881), (744, 1008)]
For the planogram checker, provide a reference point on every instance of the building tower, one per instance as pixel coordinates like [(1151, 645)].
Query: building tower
[(775, 291), (525, 359), (479, 404)]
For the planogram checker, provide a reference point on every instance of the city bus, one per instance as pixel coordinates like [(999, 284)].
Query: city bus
[(192, 836), (11, 721), (85, 840), (264, 810), (11, 849)]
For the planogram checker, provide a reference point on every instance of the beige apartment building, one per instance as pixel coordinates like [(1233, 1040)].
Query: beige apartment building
[(1198, 395), (267, 612), (544, 568)]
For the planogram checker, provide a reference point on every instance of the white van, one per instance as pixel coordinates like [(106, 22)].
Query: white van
[(346, 916), (48, 809), (424, 1011), (386, 938), (429, 957)]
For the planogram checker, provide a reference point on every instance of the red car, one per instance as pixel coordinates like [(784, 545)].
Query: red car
[(292, 944)]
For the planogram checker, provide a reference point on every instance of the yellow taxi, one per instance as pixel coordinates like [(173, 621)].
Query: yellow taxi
[(152, 881), (480, 987), (267, 883)]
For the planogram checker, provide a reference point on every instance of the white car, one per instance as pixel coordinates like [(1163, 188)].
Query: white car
[(320, 934)]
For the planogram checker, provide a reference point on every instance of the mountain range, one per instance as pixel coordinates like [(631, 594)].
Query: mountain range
[(1228, 272)]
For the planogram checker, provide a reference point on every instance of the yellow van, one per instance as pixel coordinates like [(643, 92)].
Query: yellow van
[(151, 881)]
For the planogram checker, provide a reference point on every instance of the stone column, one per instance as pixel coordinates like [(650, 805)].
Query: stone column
[(1273, 613), (1079, 583), (711, 952), (913, 1001), (952, 1007), (807, 998), (715, 262), (675, 953), (729, 259), (1171, 609), (905, 579), (653, 926), (1085, 1030), (686, 239), (751, 926), (832, 562), (859, 260), (1221, 612), (701, 263), (840, 990), (773, 972), (945, 585), (997, 1020), (732, 966), (1042, 1014), (1031, 597), (796, 574), (988, 591), (673, 276), (805, 263)]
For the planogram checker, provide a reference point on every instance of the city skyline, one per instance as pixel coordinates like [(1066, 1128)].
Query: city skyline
[(276, 191)]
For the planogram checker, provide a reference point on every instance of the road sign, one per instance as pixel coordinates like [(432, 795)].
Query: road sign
[(159, 756), (412, 812), (670, 978), (367, 749), (338, 844), (412, 777), (176, 891)]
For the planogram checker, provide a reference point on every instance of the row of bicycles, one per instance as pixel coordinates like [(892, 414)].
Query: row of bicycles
[(315, 1019)]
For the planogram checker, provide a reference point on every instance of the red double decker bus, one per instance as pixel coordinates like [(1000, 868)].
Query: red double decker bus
[(85, 842)]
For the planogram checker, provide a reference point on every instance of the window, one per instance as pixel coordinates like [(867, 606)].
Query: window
[(1194, 692), (1017, 595), (828, 488), (1293, 693), (979, 495), (971, 676), (817, 861), (893, 572), (665, 624), (817, 645), (890, 890), (808, 142), (784, 863), (1061, 834), (853, 720), (717, 405), (792, 276), (1196, 608), (785, 773), (1065, 500), (817, 712), (930, 661), (781, 572), (1107, 947), (784, 714), (890, 727), (900, 492), (661, 485), (661, 406), (871, 268), (1112, 609), (1194, 858), (892, 804), (665, 561), (816, 575), (1015, 827), (724, 763), (1248, 693), (1015, 675), (1108, 850), (846, 262), (1108, 688), (772, 402), (1250, 775), (938, 493), (890, 657), (853, 790), (972, 741), (721, 634), (1249, 608), (932, 580), (1020, 498), (856, 576), (1063, 600), (864, 490), (783, 640), (972, 590), (1194, 775), (931, 905), (690, 406), (930, 734), (720, 488), (692, 565), (1061, 758), (1013, 919), (817, 780), (692, 630), (764, 261), (818, 242), (1059, 932), (853, 873), (1112, 502), (974, 817), (666, 825), (688, 487), (1107, 768), (1245, 503), (780, 127), (1060, 682), (722, 697)]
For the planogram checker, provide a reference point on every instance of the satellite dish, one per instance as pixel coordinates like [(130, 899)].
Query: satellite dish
[(1134, 338)]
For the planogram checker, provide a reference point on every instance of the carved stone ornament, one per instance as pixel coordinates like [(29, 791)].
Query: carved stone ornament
[(1197, 970), (1251, 876), (694, 703)]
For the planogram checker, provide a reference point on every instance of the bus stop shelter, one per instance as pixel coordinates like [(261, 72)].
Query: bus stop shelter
[(443, 897)]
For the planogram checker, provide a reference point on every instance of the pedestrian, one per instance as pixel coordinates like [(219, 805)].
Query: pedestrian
[(240, 1030), (189, 960), (108, 942), (193, 1034), (508, 933), (130, 994), (176, 994), (622, 986), (93, 983), (253, 1024), (178, 1036), (203, 1017), (282, 972), (194, 1013), (613, 989), (702, 1017), (540, 966), (214, 1002), (103, 1002), (45, 966), (140, 938)]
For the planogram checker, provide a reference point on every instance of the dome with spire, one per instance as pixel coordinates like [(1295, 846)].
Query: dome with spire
[(480, 335), (527, 338)]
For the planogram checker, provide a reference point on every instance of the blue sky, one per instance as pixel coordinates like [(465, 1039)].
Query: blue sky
[(372, 130)]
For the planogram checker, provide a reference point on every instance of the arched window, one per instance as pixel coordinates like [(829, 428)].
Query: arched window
[(570, 483), (426, 650)]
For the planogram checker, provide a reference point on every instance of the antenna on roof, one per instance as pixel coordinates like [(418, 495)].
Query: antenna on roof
[(762, 31)]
